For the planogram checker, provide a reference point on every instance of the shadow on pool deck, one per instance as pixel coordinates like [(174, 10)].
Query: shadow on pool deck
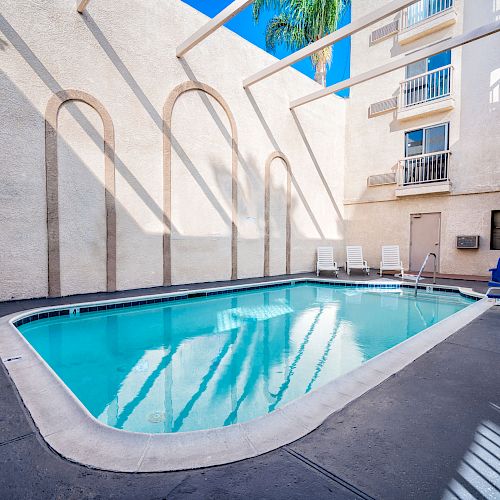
[(429, 430)]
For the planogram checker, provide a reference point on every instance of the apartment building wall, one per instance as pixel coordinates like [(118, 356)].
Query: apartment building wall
[(117, 66), (375, 215)]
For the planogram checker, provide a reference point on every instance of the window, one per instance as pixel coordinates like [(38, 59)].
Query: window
[(426, 155), (427, 140), (430, 64), (427, 79), (414, 144), (495, 230)]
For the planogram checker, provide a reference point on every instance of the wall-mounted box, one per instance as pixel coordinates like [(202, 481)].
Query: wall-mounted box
[(384, 32), (377, 108), (468, 241), (381, 179)]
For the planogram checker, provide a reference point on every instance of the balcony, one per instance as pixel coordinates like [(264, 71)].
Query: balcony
[(426, 17), (424, 174), (426, 94)]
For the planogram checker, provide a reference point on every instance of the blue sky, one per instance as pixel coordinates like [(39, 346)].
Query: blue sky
[(243, 25)]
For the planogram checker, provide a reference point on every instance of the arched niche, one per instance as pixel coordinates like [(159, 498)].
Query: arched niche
[(52, 187), (168, 109), (267, 206)]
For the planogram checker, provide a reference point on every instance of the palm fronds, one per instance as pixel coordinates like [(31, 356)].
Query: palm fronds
[(299, 23)]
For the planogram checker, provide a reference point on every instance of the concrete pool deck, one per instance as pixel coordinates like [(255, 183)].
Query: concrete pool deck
[(345, 457)]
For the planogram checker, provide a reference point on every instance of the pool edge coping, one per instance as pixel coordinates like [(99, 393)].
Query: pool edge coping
[(70, 430)]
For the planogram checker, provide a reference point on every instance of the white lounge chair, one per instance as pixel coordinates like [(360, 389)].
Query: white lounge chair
[(355, 260), (325, 261), (391, 261)]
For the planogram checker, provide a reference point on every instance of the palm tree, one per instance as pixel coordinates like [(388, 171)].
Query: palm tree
[(299, 23)]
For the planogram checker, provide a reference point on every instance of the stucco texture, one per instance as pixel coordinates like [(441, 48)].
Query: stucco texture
[(188, 198), (374, 215), (125, 58)]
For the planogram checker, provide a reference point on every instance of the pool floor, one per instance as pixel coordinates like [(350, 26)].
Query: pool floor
[(208, 362)]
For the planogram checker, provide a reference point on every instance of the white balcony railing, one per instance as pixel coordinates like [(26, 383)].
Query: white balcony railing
[(423, 169), (422, 10), (426, 87)]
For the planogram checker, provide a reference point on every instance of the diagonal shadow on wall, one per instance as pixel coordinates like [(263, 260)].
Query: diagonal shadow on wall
[(53, 85), (150, 109), (274, 142), (316, 165), (47, 78)]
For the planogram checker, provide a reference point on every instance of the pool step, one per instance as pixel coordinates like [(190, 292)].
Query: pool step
[(410, 277)]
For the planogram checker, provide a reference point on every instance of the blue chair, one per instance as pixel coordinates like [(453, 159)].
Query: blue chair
[(495, 275)]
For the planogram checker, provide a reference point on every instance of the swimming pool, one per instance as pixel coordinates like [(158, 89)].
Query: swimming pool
[(211, 361)]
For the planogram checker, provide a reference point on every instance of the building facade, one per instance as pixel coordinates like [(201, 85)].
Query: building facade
[(125, 167), (423, 142)]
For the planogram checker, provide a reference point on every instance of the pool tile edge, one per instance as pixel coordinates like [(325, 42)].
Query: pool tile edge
[(84, 440), (27, 316)]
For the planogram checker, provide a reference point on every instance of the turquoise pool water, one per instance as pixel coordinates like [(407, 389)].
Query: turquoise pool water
[(213, 361)]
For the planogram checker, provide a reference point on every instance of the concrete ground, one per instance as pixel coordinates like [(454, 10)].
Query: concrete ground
[(431, 430)]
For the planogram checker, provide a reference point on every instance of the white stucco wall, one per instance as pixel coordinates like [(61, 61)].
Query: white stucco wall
[(125, 57), (82, 224), (374, 216)]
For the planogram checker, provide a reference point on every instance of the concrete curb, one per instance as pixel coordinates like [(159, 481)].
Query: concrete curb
[(68, 427)]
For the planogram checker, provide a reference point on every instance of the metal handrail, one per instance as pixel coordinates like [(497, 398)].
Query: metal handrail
[(427, 86), (444, 152), (425, 73), (425, 168), (422, 269), (422, 10)]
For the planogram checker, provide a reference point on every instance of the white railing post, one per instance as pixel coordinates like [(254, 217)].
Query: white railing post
[(422, 10), (426, 87), (423, 169)]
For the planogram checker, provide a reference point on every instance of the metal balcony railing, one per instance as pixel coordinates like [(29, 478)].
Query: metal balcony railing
[(422, 10), (426, 87), (423, 169)]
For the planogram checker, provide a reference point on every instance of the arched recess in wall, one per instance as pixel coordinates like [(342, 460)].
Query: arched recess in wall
[(52, 187), (168, 109), (267, 207)]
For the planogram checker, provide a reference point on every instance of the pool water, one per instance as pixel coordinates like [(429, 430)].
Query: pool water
[(213, 361)]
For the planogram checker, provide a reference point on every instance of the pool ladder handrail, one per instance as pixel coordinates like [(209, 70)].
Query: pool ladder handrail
[(422, 269)]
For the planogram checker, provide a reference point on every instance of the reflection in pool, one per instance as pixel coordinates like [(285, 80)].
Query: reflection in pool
[(213, 361)]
